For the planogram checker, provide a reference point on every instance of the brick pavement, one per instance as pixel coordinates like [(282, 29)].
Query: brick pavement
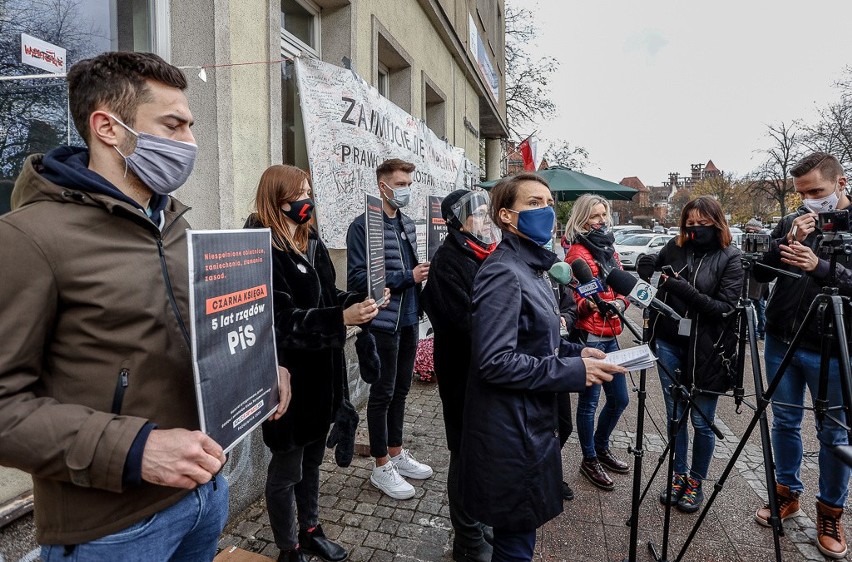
[(377, 528)]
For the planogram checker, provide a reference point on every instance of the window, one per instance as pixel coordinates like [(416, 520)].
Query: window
[(300, 35), (393, 62), (300, 26), (383, 82), (34, 112), (434, 108)]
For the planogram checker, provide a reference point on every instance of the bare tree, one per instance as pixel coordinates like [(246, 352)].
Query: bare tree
[(568, 155), (33, 113), (773, 177), (832, 133), (527, 97)]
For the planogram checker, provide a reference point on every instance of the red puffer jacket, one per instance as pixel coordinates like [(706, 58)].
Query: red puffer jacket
[(588, 319)]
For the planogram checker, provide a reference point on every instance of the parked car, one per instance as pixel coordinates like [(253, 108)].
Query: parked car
[(736, 236), (622, 234), (673, 230), (632, 248), (659, 229)]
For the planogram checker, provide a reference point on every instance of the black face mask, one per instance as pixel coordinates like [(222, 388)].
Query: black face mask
[(300, 211), (702, 236)]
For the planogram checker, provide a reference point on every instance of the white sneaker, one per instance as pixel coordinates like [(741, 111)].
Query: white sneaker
[(387, 479), (410, 467)]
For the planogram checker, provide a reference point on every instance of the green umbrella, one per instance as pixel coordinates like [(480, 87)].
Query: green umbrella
[(568, 185)]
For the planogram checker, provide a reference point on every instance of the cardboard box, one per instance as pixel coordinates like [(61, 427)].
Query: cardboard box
[(234, 554)]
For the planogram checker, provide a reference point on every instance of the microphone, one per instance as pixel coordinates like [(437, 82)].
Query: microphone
[(639, 293), (561, 273), (645, 267), (583, 274)]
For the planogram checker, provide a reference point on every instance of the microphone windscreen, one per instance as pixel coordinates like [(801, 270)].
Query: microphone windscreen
[(581, 270), (620, 281), (645, 267), (561, 273)]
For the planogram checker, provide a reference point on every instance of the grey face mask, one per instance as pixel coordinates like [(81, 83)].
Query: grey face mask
[(161, 164), (401, 196)]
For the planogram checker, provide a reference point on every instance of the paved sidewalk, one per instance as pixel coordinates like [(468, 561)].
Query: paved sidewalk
[(592, 528)]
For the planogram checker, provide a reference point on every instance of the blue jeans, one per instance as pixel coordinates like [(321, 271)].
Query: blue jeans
[(513, 547), (592, 440), (803, 371), (760, 313), (187, 531), (673, 357)]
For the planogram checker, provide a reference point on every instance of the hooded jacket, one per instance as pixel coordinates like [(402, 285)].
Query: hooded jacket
[(709, 287), (511, 464), (95, 345)]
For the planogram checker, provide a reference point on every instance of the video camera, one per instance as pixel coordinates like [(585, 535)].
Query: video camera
[(835, 237), (754, 245)]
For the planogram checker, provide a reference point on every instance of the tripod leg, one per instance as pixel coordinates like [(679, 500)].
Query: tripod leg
[(768, 463)]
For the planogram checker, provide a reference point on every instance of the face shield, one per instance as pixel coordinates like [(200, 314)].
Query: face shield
[(472, 211)]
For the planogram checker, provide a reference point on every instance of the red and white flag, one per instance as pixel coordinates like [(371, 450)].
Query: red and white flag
[(530, 153)]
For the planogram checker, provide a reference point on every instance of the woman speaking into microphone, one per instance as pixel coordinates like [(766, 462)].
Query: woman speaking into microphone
[(511, 466), (702, 281), (587, 232)]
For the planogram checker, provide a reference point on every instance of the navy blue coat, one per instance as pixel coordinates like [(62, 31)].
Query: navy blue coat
[(399, 265), (511, 466)]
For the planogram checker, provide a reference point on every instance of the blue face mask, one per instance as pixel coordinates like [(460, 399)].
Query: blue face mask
[(537, 224)]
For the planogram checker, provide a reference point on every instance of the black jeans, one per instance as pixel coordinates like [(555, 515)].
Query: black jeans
[(468, 530), (292, 486), (386, 405)]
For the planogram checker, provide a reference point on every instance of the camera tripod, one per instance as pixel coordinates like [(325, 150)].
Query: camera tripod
[(827, 310), (638, 452)]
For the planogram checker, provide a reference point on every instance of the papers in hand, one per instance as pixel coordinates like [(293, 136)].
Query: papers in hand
[(632, 358)]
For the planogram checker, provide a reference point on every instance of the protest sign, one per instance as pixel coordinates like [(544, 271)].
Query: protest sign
[(375, 243), (436, 227), (350, 129), (233, 340)]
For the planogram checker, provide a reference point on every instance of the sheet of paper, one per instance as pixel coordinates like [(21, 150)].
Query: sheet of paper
[(633, 358)]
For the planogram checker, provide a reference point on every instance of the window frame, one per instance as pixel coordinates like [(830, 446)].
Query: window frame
[(292, 45)]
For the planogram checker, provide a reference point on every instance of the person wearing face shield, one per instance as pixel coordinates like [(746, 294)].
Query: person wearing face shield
[(510, 451), (471, 237), (395, 329), (820, 181)]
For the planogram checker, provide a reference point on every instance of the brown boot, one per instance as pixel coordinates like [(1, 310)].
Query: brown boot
[(830, 538), (788, 506)]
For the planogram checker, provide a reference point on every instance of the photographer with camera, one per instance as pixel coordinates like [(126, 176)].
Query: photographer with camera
[(819, 179)]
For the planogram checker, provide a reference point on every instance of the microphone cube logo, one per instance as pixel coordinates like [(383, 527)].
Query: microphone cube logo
[(643, 293), (593, 287)]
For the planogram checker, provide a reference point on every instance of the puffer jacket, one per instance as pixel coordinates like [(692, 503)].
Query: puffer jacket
[(709, 288), (95, 345), (590, 320), (400, 260)]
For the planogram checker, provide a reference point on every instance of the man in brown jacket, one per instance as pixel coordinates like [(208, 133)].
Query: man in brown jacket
[(97, 399)]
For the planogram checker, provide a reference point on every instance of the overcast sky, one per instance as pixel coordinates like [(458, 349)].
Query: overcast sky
[(652, 86)]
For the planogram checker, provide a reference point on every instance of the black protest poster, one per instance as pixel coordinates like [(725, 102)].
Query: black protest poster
[(375, 233), (233, 340), (436, 227)]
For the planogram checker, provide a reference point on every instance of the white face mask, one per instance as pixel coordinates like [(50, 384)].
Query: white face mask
[(823, 204)]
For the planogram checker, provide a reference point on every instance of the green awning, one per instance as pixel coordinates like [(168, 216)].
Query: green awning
[(568, 185)]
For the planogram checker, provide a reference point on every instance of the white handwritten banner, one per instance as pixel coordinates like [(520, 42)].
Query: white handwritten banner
[(350, 129)]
